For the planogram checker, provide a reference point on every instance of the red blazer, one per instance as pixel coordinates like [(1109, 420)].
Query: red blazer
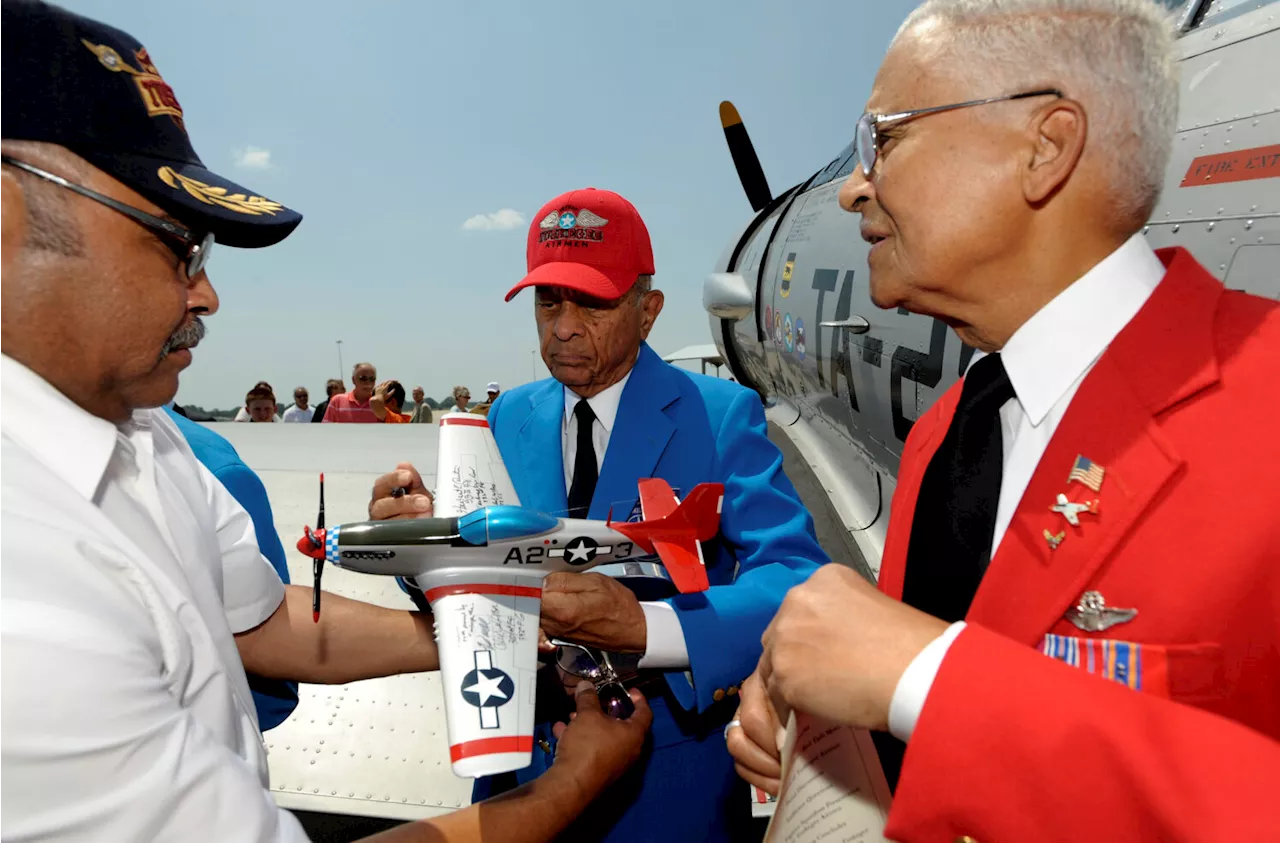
[(1180, 742)]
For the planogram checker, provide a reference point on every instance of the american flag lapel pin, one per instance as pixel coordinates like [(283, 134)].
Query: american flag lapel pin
[(1088, 472)]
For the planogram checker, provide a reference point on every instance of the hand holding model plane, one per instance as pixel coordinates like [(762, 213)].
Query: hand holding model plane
[(501, 579), (589, 608)]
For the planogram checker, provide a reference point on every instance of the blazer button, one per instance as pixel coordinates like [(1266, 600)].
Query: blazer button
[(732, 690), (718, 695)]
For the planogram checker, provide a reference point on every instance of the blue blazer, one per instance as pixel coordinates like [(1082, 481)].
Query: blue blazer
[(686, 429), (274, 699)]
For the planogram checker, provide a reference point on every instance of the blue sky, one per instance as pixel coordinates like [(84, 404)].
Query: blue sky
[(390, 124)]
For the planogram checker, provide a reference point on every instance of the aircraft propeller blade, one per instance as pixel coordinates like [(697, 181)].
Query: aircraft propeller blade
[(745, 161)]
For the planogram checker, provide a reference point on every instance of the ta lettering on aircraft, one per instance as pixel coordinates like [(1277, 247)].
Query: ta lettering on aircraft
[(847, 387)]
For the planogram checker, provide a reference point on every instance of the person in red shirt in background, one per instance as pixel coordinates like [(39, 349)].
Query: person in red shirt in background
[(353, 407), (386, 402)]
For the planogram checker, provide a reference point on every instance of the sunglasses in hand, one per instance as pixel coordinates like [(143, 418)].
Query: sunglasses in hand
[(597, 668)]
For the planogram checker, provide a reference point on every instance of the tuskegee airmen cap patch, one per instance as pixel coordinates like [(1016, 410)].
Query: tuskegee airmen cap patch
[(86, 86)]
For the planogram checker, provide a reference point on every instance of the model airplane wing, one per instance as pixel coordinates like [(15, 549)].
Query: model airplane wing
[(487, 635), (470, 473)]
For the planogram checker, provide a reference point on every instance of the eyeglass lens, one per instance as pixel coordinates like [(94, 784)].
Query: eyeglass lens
[(865, 141)]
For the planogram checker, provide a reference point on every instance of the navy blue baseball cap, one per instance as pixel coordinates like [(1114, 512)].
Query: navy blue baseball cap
[(93, 89)]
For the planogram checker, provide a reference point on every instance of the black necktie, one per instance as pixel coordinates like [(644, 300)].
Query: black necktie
[(955, 517), (585, 472)]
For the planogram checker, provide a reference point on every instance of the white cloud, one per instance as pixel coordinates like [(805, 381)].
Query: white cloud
[(253, 158), (503, 220)]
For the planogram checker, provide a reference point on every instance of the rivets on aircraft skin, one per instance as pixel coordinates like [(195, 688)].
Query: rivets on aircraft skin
[(1210, 227), (1248, 225), (1175, 228)]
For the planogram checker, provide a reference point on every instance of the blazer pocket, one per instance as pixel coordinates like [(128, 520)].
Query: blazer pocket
[(1187, 673)]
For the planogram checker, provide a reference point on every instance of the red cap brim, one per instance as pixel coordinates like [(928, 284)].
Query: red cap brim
[(577, 276)]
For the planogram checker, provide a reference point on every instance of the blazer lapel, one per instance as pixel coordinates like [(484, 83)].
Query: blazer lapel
[(1028, 585), (1111, 421), (639, 437), (541, 483), (893, 562)]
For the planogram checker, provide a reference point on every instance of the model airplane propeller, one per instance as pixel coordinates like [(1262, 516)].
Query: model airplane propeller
[(480, 562)]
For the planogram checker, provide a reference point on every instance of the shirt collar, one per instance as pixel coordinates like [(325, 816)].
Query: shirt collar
[(604, 404), (75, 444), (1061, 341)]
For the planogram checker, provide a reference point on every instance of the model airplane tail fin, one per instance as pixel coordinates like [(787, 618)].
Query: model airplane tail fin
[(701, 509), (675, 533)]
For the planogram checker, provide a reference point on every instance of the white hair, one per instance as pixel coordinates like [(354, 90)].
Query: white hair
[(1115, 57)]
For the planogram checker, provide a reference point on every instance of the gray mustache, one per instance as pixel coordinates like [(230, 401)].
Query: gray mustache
[(187, 337)]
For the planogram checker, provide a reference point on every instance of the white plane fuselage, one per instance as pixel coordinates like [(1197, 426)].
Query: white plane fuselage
[(502, 538)]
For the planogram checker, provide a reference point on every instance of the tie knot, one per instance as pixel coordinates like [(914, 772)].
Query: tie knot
[(583, 413), (986, 384)]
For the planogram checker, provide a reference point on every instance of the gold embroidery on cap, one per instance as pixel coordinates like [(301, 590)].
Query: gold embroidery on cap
[(157, 97), (213, 195)]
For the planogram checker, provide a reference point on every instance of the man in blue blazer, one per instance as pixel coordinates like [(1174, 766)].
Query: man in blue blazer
[(577, 443)]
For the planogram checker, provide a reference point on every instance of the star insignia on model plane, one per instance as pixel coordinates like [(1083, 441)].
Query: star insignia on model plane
[(487, 686), (581, 550), (1071, 510)]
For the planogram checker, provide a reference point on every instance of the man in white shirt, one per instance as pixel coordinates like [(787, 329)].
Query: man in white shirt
[(135, 597), (299, 413), (1086, 645)]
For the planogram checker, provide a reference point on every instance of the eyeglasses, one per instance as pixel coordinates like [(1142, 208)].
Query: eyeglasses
[(867, 142), (594, 665), (190, 248), (366, 379)]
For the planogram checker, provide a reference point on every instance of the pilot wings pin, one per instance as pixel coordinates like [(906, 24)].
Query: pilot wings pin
[(1092, 614)]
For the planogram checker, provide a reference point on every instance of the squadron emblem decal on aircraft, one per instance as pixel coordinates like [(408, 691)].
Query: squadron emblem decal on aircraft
[(480, 563)]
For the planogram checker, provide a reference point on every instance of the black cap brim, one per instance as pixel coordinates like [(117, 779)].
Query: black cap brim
[(200, 199)]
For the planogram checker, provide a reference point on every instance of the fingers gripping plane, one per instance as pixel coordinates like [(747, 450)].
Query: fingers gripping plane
[(480, 561)]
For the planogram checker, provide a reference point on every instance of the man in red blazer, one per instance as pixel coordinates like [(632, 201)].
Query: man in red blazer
[(1085, 535)]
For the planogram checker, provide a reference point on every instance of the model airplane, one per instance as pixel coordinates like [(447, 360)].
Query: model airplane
[(1071, 510), (480, 561)]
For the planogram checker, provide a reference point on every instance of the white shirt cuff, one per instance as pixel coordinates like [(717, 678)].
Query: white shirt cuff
[(664, 638), (913, 687)]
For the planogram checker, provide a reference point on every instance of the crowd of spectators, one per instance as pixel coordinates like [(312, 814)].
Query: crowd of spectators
[(367, 402)]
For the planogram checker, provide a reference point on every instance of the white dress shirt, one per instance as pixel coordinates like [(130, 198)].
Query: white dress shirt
[(1046, 360), (665, 647), (127, 568), (299, 415)]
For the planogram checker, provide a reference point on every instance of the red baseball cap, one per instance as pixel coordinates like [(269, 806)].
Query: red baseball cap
[(592, 241)]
